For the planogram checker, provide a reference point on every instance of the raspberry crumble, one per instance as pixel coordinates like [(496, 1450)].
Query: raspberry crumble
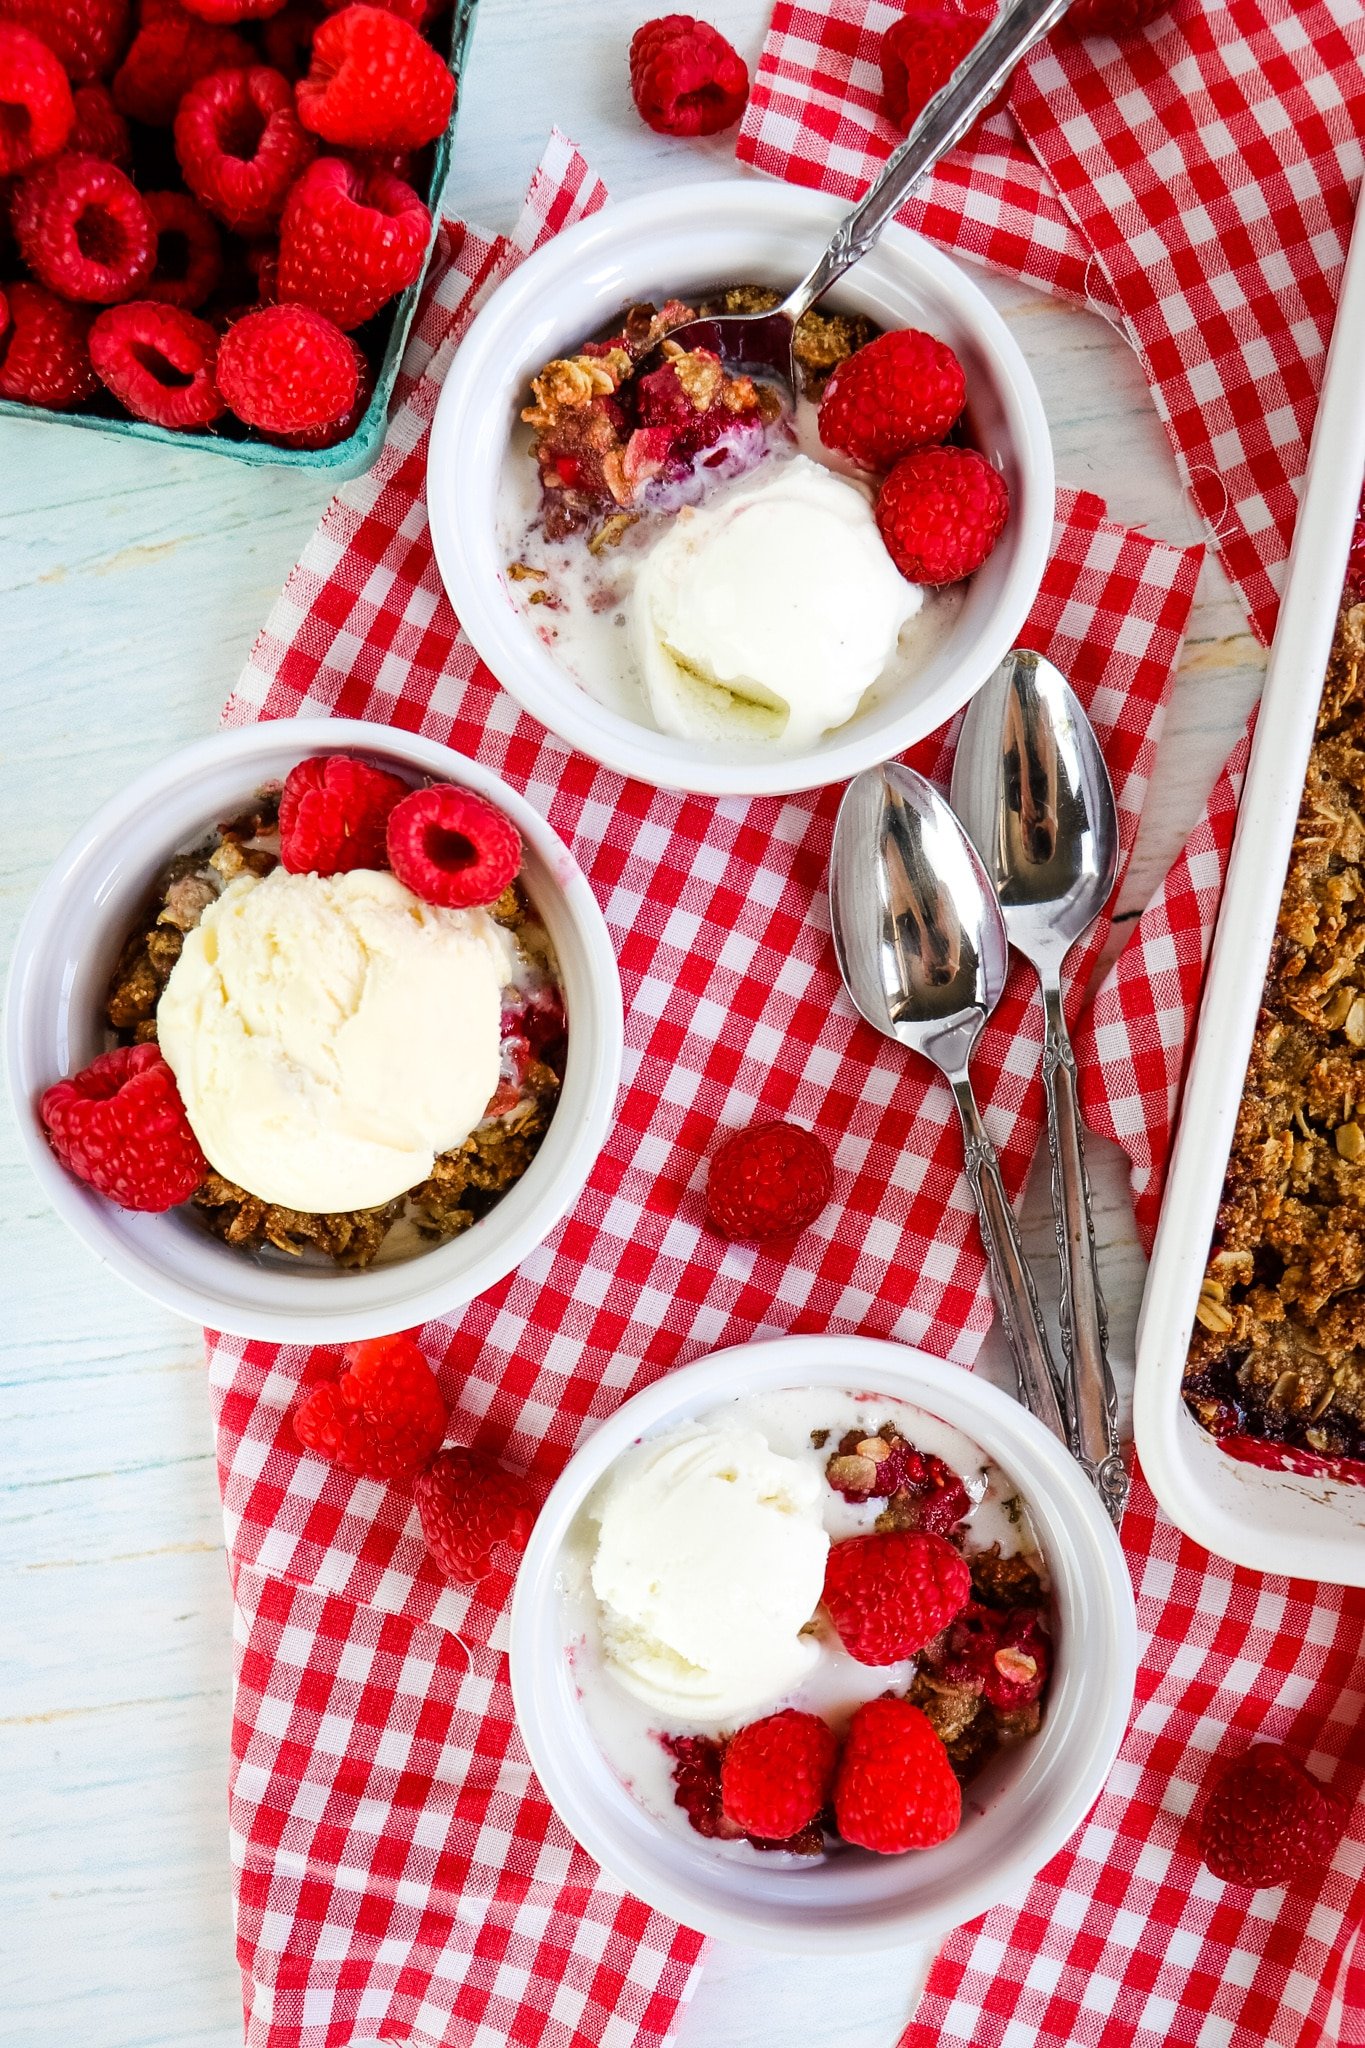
[(708, 552), (804, 1638), (330, 809), (1276, 1356)]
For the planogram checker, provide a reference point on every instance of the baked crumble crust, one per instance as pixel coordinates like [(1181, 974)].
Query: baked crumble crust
[(1278, 1350)]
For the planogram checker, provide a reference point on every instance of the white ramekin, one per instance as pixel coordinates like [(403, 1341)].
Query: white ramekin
[(682, 240), (67, 949), (1018, 1813)]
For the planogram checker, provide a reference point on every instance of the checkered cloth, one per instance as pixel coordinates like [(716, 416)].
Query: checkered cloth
[(1195, 181), (400, 1874)]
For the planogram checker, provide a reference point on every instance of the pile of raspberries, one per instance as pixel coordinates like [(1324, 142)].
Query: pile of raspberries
[(201, 203)]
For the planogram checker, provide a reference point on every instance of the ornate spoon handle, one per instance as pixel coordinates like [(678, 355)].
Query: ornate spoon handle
[(1091, 1400), (943, 122), (1015, 1295)]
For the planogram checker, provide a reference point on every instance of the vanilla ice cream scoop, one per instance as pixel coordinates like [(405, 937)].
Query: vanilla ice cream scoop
[(710, 1561), (331, 1035), (767, 612)]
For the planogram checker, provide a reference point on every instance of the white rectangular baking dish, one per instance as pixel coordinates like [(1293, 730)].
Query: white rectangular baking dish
[(1273, 1520)]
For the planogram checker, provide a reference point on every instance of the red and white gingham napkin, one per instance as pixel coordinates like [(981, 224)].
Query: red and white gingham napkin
[(1195, 181), (400, 1874)]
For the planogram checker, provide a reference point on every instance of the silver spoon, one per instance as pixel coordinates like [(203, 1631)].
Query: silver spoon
[(1031, 787), (922, 948), (763, 341)]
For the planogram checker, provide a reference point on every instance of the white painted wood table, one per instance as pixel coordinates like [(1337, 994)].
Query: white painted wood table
[(131, 584)]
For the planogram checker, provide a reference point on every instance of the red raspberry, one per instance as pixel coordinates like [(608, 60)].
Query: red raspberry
[(374, 83), (350, 240), (312, 438), (921, 51), (940, 512), (84, 35), (225, 11), (902, 390), (334, 811), (189, 250), (1005, 1655), (241, 146), (469, 1505), (100, 129), (83, 230), (120, 1126), (36, 108), (418, 12), (45, 354), (889, 1593), (4, 319), (169, 52), (895, 1789), (287, 369), (1267, 1819), (158, 362), (381, 1417), (777, 1774), (1112, 17), (451, 847), (769, 1181), (685, 79)]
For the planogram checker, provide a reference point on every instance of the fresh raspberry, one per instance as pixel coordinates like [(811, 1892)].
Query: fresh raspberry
[(469, 1505), (374, 83), (381, 1417), (685, 79), (1112, 17), (895, 1788), (921, 51), (452, 847), (312, 438), (36, 109), (240, 144), (418, 12), (349, 241), (120, 1126), (925, 1492), (85, 36), (227, 11), (777, 1774), (940, 512), (769, 1181), (698, 1764), (899, 392), (1005, 1655), (45, 353), (83, 230), (1267, 1819), (100, 129), (286, 369), (334, 811), (189, 250), (889, 1593), (158, 362), (169, 52)]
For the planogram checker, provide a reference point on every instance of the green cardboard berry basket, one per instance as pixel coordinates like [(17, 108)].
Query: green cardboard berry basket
[(358, 451)]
